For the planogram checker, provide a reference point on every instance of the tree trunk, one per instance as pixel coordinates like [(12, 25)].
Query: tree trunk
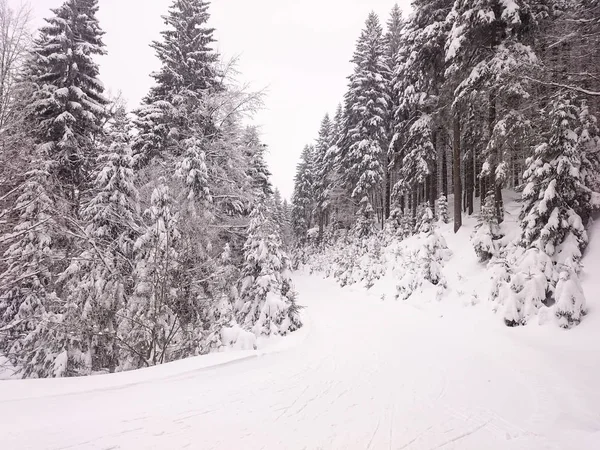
[(456, 173), (470, 185), (496, 188), (445, 172), (386, 189)]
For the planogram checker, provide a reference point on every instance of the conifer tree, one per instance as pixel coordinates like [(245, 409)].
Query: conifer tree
[(68, 107), (149, 325), (487, 232), (100, 276), (367, 102), (28, 285), (267, 300), (187, 76), (303, 197), (551, 230), (323, 162), (554, 189)]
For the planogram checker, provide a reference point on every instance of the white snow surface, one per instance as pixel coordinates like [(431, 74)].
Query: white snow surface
[(366, 372)]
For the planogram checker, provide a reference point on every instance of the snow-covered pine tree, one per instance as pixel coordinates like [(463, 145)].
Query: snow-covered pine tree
[(192, 171), (68, 108), (434, 250), (149, 326), (393, 44), (442, 209), (99, 278), (550, 224), (267, 302), (366, 109), (323, 167), (258, 171), (34, 329), (487, 232), (303, 196), (424, 262), (588, 147), (419, 154), (554, 190), (365, 220), (187, 76)]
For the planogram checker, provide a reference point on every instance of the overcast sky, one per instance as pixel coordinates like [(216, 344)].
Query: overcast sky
[(298, 50)]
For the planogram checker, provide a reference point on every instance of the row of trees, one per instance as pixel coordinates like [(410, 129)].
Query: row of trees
[(462, 100), (132, 240)]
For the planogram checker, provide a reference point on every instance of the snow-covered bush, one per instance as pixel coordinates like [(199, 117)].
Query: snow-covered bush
[(442, 209), (487, 232), (424, 258), (528, 289), (570, 299)]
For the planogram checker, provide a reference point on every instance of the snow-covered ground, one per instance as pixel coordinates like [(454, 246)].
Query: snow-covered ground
[(364, 373)]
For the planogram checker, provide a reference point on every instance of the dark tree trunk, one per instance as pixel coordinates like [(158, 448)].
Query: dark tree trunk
[(387, 191), (456, 174), (445, 172), (470, 185), (494, 185), (433, 187)]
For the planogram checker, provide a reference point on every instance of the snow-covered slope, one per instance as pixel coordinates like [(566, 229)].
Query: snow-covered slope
[(365, 372)]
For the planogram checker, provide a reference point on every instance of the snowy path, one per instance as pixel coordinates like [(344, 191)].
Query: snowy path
[(368, 374)]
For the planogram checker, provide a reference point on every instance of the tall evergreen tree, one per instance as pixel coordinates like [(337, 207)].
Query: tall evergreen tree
[(303, 197), (68, 106), (367, 102), (99, 277), (324, 165), (188, 75)]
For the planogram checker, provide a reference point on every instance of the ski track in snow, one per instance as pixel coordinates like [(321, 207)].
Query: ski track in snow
[(367, 374)]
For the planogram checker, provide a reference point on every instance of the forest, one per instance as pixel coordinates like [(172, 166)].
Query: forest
[(131, 238), (458, 103), (135, 237)]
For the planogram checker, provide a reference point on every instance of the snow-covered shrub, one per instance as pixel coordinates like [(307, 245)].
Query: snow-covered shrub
[(529, 288), (487, 232), (570, 300), (424, 259), (370, 266), (407, 225), (442, 209), (365, 222)]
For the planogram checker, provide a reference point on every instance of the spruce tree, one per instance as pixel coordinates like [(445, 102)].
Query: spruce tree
[(554, 190), (323, 162), (150, 324), (303, 197), (552, 231), (28, 285), (68, 109), (187, 76), (267, 300), (99, 278), (367, 102)]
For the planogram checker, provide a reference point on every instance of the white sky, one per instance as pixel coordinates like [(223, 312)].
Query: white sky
[(298, 50)]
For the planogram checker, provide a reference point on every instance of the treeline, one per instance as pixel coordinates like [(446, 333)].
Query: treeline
[(463, 99), (130, 240)]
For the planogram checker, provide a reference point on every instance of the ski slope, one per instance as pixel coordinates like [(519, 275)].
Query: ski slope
[(364, 373)]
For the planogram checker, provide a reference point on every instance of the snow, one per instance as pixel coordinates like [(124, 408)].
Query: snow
[(366, 371)]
